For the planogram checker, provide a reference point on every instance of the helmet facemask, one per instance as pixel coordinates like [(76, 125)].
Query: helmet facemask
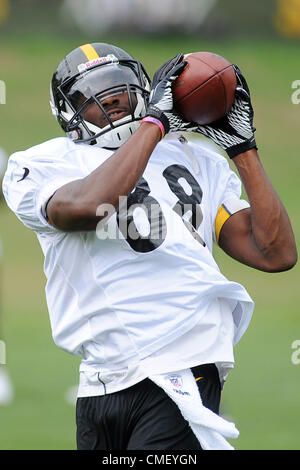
[(95, 86)]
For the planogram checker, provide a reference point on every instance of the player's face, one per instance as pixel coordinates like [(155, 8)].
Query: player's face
[(116, 107)]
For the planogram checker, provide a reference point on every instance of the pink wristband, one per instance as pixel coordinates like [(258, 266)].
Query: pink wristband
[(155, 121)]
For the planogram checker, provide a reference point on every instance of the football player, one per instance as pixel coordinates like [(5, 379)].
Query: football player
[(126, 211)]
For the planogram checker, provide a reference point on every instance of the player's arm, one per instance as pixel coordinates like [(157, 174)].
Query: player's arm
[(73, 207), (261, 236)]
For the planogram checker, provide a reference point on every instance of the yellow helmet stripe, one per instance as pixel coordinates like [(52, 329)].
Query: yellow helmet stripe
[(89, 51)]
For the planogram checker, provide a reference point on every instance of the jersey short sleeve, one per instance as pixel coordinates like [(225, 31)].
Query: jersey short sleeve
[(30, 181), (226, 196)]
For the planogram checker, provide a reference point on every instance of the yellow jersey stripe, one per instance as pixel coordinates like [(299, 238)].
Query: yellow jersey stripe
[(198, 378), (221, 218), (89, 51)]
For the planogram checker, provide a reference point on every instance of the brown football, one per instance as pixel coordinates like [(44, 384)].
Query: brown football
[(205, 90)]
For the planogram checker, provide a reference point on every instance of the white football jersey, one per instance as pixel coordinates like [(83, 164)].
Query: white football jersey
[(147, 277)]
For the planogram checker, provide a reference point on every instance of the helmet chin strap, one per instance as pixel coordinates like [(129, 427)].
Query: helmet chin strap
[(117, 137), (111, 138)]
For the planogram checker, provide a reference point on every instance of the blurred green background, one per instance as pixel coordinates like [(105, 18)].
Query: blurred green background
[(262, 393)]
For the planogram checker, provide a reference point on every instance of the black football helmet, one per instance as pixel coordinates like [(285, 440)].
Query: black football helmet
[(89, 74)]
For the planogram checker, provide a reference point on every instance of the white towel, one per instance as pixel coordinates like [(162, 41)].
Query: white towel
[(209, 428)]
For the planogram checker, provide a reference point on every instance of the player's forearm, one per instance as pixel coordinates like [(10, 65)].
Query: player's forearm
[(270, 224), (118, 175), (74, 206)]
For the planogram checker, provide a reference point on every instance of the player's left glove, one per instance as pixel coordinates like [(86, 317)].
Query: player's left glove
[(234, 132), (160, 105)]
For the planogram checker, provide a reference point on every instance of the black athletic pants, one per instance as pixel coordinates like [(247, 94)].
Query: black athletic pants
[(142, 417)]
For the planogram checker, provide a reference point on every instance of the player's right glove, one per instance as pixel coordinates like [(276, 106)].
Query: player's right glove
[(160, 105)]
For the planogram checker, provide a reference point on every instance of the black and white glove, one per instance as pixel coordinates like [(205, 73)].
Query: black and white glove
[(160, 105), (234, 132)]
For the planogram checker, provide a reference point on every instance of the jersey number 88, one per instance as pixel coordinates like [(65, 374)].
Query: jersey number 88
[(187, 207)]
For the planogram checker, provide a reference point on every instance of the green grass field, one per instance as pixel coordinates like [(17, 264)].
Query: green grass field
[(262, 393)]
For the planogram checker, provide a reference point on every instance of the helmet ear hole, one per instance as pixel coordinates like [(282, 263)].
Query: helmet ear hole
[(75, 134)]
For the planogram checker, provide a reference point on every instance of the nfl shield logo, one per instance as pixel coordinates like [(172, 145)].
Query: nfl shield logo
[(176, 380)]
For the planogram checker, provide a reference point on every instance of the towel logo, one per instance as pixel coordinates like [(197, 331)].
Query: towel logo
[(177, 382)]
